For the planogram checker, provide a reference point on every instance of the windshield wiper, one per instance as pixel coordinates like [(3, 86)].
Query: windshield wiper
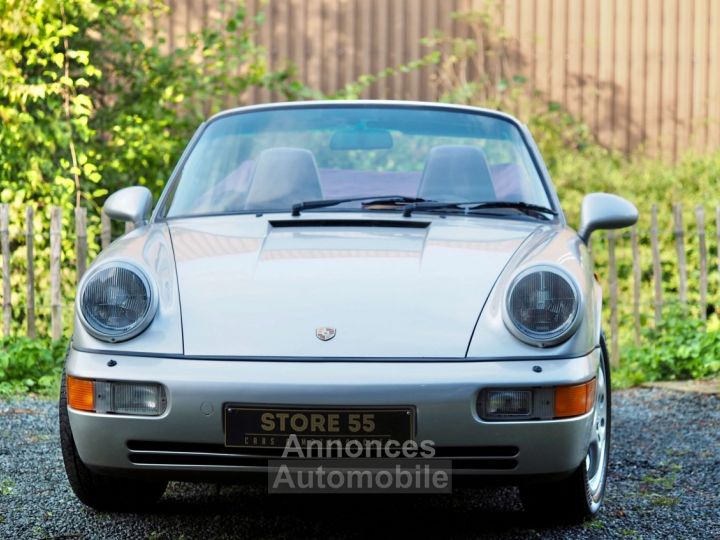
[(468, 206), (370, 200)]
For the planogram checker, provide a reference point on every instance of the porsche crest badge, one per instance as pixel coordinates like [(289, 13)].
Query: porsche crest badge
[(325, 333)]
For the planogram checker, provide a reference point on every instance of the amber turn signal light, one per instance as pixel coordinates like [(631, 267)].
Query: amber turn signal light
[(574, 400), (80, 394)]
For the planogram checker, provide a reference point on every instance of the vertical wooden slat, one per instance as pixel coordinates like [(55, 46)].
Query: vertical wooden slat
[(364, 26), (636, 282), (397, 23), (510, 22), (605, 89), (669, 66), (592, 63), (612, 270), (30, 254), (281, 36), (55, 256), (702, 252), (5, 245), (653, 75), (253, 94), (347, 25), (700, 53), (543, 46), (638, 79), (621, 75), (680, 247), (332, 48), (574, 73), (685, 77), (657, 267), (314, 37), (412, 39), (380, 45), (105, 230), (561, 35), (713, 91), (81, 247), (429, 23), (526, 49), (128, 227)]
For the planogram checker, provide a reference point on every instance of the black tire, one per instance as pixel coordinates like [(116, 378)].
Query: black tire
[(99, 491), (572, 499)]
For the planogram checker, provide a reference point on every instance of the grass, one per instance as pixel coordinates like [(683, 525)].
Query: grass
[(655, 485), (7, 486)]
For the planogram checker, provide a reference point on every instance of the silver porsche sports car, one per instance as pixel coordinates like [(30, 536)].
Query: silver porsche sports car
[(387, 272)]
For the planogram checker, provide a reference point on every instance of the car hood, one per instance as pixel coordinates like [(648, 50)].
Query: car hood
[(254, 286)]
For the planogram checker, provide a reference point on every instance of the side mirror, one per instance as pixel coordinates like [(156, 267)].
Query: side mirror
[(605, 211), (129, 204)]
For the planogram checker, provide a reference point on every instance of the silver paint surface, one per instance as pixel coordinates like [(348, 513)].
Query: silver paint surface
[(417, 314)]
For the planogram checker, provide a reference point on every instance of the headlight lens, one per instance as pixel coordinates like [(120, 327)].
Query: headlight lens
[(542, 305), (117, 302)]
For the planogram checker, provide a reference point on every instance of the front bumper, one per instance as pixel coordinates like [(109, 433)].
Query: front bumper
[(188, 439)]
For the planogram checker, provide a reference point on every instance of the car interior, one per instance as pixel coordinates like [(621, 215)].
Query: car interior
[(281, 177)]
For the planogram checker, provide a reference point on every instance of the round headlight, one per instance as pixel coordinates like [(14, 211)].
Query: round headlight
[(117, 302), (542, 306)]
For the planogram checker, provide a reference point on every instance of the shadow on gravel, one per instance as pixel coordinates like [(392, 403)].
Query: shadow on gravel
[(243, 510), (663, 484)]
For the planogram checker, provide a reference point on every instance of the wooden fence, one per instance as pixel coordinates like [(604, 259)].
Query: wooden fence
[(652, 281), (638, 72), (639, 277)]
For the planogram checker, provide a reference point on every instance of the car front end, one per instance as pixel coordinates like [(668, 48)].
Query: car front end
[(455, 321)]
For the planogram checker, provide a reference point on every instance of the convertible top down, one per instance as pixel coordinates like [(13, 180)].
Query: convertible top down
[(360, 271)]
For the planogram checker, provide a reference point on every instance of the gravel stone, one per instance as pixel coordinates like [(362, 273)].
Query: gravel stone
[(664, 478)]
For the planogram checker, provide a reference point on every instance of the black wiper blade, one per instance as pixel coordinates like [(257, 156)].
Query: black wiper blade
[(527, 208), (370, 200)]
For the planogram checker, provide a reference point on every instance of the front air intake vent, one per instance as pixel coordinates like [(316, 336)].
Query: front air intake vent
[(463, 458), (384, 223)]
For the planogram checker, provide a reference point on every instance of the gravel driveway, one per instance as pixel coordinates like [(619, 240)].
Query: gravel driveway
[(665, 478)]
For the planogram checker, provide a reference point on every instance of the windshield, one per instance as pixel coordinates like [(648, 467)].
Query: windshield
[(269, 160)]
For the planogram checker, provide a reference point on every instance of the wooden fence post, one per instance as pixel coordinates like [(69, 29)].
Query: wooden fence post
[(680, 246), (30, 252), (702, 251), (614, 342), (55, 254), (5, 242), (657, 267), (106, 230), (81, 248), (636, 282)]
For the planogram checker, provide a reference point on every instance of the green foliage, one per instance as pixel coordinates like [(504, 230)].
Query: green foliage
[(90, 101), (30, 365), (681, 347)]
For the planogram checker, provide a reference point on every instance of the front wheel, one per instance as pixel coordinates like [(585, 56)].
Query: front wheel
[(579, 496), (100, 491)]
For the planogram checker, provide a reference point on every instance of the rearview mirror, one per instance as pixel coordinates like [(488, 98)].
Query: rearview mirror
[(361, 139), (605, 211), (129, 204)]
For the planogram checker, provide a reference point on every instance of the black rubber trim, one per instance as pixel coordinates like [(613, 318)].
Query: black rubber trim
[(385, 223), (172, 453), (220, 449), (389, 360)]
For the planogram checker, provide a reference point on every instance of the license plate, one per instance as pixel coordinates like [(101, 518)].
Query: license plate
[(270, 427)]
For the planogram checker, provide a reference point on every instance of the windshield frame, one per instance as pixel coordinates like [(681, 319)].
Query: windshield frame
[(162, 207)]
